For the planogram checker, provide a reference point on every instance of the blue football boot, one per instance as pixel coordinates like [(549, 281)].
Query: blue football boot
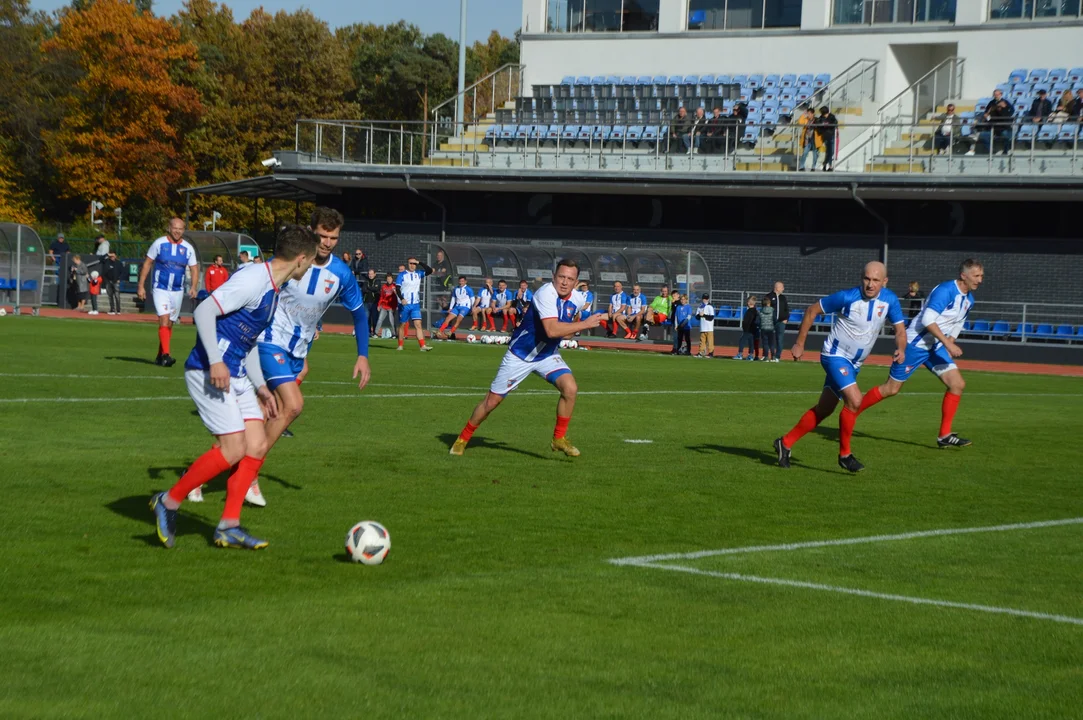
[(237, 537), (165, 520)]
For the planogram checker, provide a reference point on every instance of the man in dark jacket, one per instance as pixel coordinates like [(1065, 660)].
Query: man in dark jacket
[(112, 272), (370, 292), (825, 125), (359, 266), (680, 129), (782, 313), (997, 125), (1041, 108)]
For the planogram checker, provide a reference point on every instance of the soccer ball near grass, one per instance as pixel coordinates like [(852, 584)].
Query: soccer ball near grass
[(471, 339), (368, 543)]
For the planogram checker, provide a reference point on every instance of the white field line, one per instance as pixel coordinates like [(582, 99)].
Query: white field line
[(648, 559), (519, 393), (865, 593)]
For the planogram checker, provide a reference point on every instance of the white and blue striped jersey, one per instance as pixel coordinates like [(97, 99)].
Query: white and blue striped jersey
[(247, 302), (171, 261), (409, 283), (529, 341), (303, 303), (485, 296), (636, 303), (617, 301), (858, 322), (502, 297), (588, 300), (948, 307), (462, 297)]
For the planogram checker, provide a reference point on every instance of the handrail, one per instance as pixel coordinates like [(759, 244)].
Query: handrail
[(954, 59), (493, 74), (840, 79)]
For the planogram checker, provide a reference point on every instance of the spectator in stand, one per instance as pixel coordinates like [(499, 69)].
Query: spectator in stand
[(94, 284), (243, 258), (781, 304), (216, 275), (1041, 108), (680, 129), (346, 258), (916, 298), (705, 313), (112, 271), (826, 126), (699, 129), (807, 138), (768, 313), (715, 134), (79, 282), (947, 132), (682, 326), (618, 301), (101, 246), (660, 308), (997, 122), (258, 260), (359, 266), (388, 302), (1075, 110), (1064, 108), (58, 249), (749, 330), (370, 291)]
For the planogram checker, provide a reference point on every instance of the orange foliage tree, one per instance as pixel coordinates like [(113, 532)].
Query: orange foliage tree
[(125, 118)]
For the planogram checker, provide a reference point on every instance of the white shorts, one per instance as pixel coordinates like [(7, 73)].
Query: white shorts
[(168, 302), (223, 413), (514, 371)]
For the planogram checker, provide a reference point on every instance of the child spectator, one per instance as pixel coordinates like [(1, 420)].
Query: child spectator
[(750, 323), (705, 313), (388, 302), (94, 284), (767, 331), (682, 326)]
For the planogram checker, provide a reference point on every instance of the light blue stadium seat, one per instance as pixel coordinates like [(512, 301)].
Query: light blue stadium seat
[(570, 132), (1037, 75), (746, 94), (755, 81), (1017, 76), (585, 132), (723, 79), (771, 81), (554, 132), (1001, 328), (1040, 86), (674, 80), (1064, 331), (1019, 90), (770, 114), (628, 80), (507, 132), (982, 102), (804, 82), (1058, 90), (493, 131), (616, 133), (1056, 75), (567, 80), (1048, 132), (522, 132), (741, 80), (751, 135), (658, 80), (1075, 75), (786, 109), (803, 95), (598, 80), (787, 96), (643, 80), (980, 327), (821, 80), (691, 80), (1043, 330), (1005, 88), (1068, 132), (771, 95), (707, 80), (755, 109), (582, 80), (1022, 106), (635, 133), (787, 81), (1027, 132), (651, 134)]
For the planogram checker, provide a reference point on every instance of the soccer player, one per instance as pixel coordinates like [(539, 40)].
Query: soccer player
[(224, 379), (462, 302), (533, 349), (660, 308), (169, 255), (617, 302), (283, 348), (482, 306), (634, 312), (409, 288), (503, 305), (860, 313), (931, 342)]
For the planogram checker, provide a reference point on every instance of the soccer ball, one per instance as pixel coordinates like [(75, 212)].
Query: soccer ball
[(471, 339), (487, 339), (573, 344), (505, 339), (368, 543), (3, 312)]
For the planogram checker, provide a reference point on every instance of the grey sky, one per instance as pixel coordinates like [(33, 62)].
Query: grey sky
[(429, 15)]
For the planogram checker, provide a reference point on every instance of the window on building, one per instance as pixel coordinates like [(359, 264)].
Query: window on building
[(1029, 9), (743, 14), (602, 16), (885, 12)]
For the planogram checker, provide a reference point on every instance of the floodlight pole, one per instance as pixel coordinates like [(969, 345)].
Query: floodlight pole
[(460, 99)]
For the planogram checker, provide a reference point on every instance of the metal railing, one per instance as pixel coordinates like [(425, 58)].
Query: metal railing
[(484, 96), (756, 146), (855, 84)]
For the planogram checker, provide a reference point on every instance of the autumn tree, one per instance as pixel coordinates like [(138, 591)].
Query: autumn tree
[(127, 112)]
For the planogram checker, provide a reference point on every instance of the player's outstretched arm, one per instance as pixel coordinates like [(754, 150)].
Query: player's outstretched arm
[(556, 329), (806, 324)]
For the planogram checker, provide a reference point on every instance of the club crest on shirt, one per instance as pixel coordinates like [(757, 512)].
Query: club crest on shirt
[(880, 311), (328, 284), (280, 358), (844, 371)]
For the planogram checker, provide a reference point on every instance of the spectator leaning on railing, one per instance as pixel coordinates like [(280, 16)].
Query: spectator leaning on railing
[(58, 249)]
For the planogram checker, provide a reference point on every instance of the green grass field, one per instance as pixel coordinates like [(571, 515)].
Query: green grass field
[(498, 599)]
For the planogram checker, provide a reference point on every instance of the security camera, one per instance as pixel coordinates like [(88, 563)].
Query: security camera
[(270, 162)]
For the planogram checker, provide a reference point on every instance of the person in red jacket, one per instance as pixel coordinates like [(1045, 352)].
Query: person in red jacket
[(387, 304), (216, 275)]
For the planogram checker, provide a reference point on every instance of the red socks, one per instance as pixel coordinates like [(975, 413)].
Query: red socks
[(468, 432), (237, 486), (871, 398), (208, 466), (562, 427), (164, 335), (846, 430), (947, 412), (805, 425)]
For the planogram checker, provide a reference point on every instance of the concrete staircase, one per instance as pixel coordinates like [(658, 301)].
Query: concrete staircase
[(458, 151), (898, 155)]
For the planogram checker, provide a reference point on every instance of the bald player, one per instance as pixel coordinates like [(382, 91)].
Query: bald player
[(859, 316)]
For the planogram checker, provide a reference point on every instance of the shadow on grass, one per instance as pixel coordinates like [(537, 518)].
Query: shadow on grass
[(142, 361), (832, 434), (765, 457), (172, 473), (137, 507), (478, 443)]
